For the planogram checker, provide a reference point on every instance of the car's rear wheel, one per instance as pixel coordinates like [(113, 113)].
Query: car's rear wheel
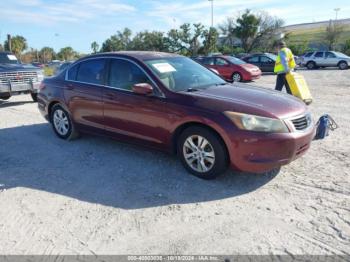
[(62, 123), (202, 152), (343, 65), (236, 77), (34, 96), (311, 65)]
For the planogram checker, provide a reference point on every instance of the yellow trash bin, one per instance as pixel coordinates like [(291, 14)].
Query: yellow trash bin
[(299, 87)]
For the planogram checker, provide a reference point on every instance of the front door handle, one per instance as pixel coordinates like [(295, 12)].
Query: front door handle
[(109, 96), (69, 86)]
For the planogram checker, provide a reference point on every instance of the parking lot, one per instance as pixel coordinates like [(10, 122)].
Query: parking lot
[(98, 196)]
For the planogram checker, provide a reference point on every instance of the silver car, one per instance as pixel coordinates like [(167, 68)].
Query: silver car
[(317, 59)]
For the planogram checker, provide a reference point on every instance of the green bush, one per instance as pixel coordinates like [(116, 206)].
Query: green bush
[(346, 48)]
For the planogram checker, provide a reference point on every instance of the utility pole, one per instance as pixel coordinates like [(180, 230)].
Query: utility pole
[(9, 42), (212, 12), (336, 13)]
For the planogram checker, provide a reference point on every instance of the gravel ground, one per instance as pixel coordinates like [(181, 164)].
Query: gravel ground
[(97, 196)]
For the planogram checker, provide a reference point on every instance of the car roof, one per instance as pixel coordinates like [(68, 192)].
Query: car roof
[(140, 55)]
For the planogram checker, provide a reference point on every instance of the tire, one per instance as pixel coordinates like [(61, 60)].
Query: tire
[(236, 77), (343, 65), (34, 96), (205, 167), (5, 97), (311, 65), (62, 124)]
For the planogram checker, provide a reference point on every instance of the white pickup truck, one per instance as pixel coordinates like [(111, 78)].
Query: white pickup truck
[(17, 78)]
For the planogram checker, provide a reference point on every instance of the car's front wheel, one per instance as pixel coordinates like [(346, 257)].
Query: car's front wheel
[(236, 77), (343, 65), (62, 123), (34, 96), (202, 152)]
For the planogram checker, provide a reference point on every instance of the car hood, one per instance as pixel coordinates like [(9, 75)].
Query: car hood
[(17, 67), (247, 99), (250, 67)]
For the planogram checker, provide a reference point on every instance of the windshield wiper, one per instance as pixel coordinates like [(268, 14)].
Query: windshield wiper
[(221, 84)]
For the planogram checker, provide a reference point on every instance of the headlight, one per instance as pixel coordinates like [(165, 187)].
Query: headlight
[(257, 123), (40, 75)]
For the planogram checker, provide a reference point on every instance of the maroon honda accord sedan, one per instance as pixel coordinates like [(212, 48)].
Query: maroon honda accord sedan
[(172, 103)]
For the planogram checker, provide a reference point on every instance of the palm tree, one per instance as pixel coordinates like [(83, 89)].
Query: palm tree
[(94, 46)]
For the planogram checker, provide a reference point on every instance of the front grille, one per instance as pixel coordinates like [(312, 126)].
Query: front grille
[(18, 77), (302, 123)]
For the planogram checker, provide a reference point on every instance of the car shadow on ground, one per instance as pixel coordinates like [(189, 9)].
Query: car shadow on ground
[(104, 171)]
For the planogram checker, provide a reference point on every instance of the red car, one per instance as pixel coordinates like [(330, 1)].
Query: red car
[(172, 103), (231, 68)]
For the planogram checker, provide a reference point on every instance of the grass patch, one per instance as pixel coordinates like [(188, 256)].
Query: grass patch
[(316, 35)]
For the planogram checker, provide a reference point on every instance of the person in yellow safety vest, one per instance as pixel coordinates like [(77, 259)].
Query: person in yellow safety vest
[(284, 64)]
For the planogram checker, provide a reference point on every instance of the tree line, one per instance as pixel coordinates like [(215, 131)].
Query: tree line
[(246, 33), (249, 32)]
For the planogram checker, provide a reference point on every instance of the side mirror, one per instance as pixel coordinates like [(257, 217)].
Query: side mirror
[(142, 89)]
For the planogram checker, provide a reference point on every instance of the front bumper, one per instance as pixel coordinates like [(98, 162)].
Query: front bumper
[(258, 152), (43, 106), (251, 76), (31, 87)]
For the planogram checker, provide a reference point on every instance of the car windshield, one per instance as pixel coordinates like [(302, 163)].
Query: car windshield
[(235, 61), (6, 58), (272, 56), (182, 73), (341, 55)]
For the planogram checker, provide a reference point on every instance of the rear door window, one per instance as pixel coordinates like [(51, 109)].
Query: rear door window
[(221, 62), (253, 59), (208, 61), (319, 54), (91, 71)]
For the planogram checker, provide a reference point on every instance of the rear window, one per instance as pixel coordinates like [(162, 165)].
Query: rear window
[(91, 71), (308, 54)]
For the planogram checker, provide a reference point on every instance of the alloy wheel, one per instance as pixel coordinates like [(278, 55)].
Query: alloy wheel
[(236, 77), (199, 153), (343, 65), (61, 122)]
